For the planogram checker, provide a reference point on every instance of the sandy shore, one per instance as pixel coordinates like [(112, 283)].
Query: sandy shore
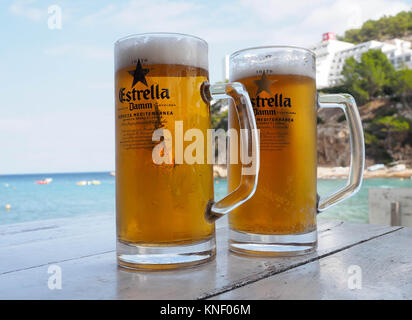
[(342, 172), (339, 172)]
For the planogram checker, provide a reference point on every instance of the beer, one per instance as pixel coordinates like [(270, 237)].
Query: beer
[(285, 198), (280, 219), (165, 208), (281, 216), (160, 203)]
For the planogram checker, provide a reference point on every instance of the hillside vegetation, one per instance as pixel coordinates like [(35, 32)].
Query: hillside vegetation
[(387, 27), (384, 97)]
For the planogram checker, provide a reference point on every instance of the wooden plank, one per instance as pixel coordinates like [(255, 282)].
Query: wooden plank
[(385, 273), (96, 276), (58, 240), (26, 245), (28, 232), (380, 200)]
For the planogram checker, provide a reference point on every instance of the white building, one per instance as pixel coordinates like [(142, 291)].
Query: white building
[(400, 56), (325, 52), (331, 55)]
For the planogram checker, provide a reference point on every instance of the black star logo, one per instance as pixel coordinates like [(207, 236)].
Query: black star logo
[(263, 84), (139, 74)]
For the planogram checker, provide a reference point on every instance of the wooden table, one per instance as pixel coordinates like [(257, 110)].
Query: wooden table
[(84, 250)]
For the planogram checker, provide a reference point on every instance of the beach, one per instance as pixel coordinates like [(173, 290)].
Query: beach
[(342, 172)]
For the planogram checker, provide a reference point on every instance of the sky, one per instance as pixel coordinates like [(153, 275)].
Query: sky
[(56, 81)]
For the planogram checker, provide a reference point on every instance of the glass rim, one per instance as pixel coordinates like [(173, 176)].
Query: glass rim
[(174, 34), (273, 47)]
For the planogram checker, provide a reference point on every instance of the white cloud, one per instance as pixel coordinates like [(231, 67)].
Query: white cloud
[(15, 125), (82, 51), (233, 25), (299, 22), (25, 9), (215, 23), (98, 16), (146, 16), (277, 10), (154, 13), (344, 14), (306, 23)]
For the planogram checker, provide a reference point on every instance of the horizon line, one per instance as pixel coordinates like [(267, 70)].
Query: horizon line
[(50, 173)]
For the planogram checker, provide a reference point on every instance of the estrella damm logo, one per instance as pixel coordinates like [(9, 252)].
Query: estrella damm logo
[(154, 92), (275, 100)]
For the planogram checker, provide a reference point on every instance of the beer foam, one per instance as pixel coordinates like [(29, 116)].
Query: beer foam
[(279, 60), (161, 48)]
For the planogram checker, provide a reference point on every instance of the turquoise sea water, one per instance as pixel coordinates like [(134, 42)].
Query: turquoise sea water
[(64, 198), (356, 209)]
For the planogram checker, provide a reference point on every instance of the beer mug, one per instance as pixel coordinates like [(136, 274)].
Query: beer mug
[(165, 209), (280, 219)]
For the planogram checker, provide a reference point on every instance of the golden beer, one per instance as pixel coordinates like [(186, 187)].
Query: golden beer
[(165, 208), (280, 219), (163, 204), (285, 198)]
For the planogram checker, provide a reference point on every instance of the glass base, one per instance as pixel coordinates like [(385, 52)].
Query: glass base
[(140, 257), (272, 245)]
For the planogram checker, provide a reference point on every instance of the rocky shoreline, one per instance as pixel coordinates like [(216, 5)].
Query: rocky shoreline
[(340, 172)]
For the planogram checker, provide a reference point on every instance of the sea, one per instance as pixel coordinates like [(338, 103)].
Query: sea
[(73, 194)]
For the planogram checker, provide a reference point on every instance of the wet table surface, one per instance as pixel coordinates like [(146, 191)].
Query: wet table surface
[(353, 261)]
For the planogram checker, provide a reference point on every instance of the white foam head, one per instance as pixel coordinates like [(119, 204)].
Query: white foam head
[(280, 60), (161, 48)]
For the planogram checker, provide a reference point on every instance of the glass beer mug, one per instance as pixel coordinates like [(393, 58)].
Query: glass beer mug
[(165, 209), (280, 219)]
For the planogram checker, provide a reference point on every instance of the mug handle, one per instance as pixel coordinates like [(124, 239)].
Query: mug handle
[(249, 139), (357, 146)]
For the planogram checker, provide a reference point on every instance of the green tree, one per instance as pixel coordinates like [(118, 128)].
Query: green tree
[(403, 85), (385, 27), (218, 115), (369, 78)]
